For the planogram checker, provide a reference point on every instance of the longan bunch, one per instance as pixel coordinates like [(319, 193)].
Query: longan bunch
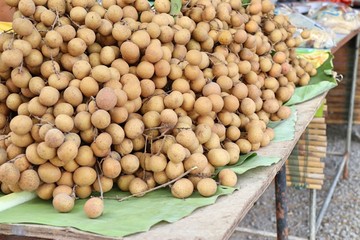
[(94, 95)]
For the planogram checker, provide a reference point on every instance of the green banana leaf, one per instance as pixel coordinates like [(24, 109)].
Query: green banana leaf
[(285, 129), (322, 82), (175, 8), (250, 161), (120, 218)]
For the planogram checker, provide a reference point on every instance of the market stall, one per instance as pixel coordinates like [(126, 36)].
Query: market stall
[(215, 85)]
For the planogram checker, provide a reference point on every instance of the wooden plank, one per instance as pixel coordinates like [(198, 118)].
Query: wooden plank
[(311, 137), (318, 120), (305, 174), (305, 163), (214, 222), (293, 168), (316, 132), (342, 121), (305, 158), (312, 148), (317, 125), (313, 143), (300, 184), (312, 154), (306, 180)]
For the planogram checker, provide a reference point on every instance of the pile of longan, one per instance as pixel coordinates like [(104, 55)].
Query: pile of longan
[(121, 93)]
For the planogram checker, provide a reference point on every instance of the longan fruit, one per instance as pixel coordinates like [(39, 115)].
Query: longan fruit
[(54, 138), (84, 176), (247, 106), (123, 182), (45, 190), (133, 128), (176, 153), (130, 163), (207, 187), (305, 34), (218, 157), (227, 177), (251, 26), (61, 189), (130, 52), (100, 119), (202, 105), (94, 207), (22, 26), (244, 67), (225, 37), (157, 163), (284, 112), (12, 57), (21, 124), (9, 174), (106, 184), (81, 69), (64, 123), (83, 191), (137, 186), (162, 6), (44, 151), (53, 39), (106, 98), (114, 13), (111, 167), (29, 180), (49, 96), (63, 203), (182, 188), (271, 105), (76, 47), (244, 145), (49, 173), (103, 141)]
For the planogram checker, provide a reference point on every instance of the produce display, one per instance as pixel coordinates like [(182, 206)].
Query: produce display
[(136, 97)]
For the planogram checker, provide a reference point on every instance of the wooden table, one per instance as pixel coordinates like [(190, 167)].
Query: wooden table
[(217, 221)]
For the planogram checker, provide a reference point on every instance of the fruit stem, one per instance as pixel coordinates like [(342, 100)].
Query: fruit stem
[(98, 178), (55, 21), (42, 120), (155, 188), (4, 137)]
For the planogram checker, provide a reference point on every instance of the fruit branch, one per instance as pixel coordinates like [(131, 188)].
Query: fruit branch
[(155, 188)]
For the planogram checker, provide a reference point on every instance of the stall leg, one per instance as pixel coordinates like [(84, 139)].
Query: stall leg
[(352, 104), (281, 205), (312, 214)]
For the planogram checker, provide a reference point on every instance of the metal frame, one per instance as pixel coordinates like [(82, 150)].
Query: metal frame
[(281, 205), (343, 168)]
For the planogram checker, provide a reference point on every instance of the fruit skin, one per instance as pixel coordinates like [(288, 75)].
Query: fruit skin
[(182, 188), (227, 177), (6, 177), (207, 187), (63, 203), (94, 207), (29, 180)]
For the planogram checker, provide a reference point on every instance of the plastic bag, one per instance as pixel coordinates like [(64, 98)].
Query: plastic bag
[(339, 17), (320, 36)]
